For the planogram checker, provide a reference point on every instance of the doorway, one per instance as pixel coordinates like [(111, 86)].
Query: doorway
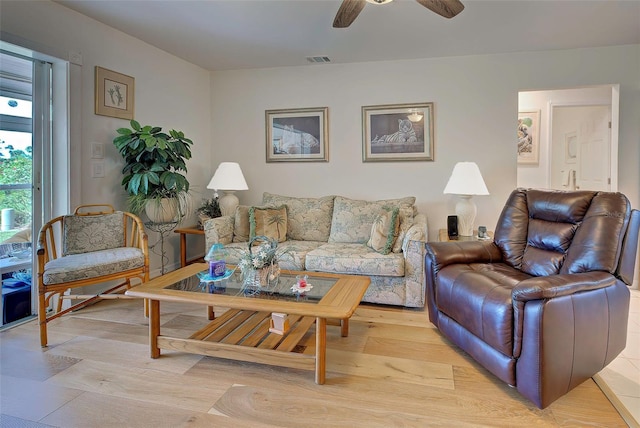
[(577, 138)]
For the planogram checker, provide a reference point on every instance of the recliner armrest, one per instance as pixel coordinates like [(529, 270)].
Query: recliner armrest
[(446, 253), (548, 287)]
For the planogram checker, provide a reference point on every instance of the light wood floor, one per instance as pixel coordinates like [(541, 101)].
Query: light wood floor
[(394, 369)]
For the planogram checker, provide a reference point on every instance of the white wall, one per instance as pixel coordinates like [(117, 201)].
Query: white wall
[(169, 92), (476, 104)]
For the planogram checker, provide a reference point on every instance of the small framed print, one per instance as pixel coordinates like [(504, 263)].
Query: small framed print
[(297, 135), (397, 132), (528, 137), (114, 94)]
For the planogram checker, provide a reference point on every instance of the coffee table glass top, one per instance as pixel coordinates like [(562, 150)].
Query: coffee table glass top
[(232, 286)]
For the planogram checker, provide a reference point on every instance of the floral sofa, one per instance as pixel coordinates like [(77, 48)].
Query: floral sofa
[(338, 235)]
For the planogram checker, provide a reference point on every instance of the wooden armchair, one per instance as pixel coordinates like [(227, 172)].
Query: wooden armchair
[(88, 248)]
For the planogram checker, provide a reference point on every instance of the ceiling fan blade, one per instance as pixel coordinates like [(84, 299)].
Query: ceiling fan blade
[(446, 8), (348, 12)]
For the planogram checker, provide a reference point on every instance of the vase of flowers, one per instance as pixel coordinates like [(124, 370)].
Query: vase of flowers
[(259, 265)]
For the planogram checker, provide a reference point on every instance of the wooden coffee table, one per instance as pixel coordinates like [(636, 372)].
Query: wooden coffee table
[(242, 332)]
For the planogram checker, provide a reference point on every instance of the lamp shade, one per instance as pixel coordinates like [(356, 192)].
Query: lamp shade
[(228, 176), (466, 180)]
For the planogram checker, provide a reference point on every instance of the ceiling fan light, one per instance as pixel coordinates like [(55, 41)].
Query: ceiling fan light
[(379, 1)]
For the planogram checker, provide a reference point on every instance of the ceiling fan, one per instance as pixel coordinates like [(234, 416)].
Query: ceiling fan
[(350, 9)]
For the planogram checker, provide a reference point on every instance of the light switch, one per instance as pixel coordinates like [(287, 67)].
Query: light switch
[(97, 150), (97, 169)]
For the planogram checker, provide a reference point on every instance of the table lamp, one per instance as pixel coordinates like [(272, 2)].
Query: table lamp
[(466, 181), (228, 178)]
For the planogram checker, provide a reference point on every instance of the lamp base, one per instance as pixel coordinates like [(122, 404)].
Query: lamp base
[(466, 211), (228, 203)]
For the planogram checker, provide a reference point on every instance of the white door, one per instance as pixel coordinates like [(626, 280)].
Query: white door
[(593, 150), (580, 148)]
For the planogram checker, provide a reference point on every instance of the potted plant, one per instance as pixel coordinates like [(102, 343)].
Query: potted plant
[(154, 163), (210, 208)]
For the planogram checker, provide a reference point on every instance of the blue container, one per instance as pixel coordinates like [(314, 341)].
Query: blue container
[(217, 268)]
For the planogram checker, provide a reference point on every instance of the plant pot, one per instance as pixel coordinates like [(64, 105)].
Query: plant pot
[(163, 210)]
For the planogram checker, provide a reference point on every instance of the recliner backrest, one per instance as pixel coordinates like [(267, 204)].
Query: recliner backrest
[(546, 232)]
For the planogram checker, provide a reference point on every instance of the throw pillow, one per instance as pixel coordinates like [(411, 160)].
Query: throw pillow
[(270, 222), (406, 221), (241, 228), (84, 234), (384, 230)]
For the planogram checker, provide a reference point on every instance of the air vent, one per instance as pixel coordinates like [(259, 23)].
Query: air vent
[(320, 59)]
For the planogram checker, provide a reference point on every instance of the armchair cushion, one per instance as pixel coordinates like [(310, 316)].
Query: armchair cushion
[(83, 234), (478, 296), (92, 265)]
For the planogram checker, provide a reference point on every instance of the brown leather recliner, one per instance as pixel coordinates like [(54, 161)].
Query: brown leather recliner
[(545, 305)]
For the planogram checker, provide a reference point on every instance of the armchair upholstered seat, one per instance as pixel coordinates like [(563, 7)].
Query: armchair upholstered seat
[(545, 305), (88, 248)]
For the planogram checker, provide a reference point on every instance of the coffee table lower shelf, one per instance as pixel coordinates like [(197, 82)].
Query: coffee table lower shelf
[(243, 335)]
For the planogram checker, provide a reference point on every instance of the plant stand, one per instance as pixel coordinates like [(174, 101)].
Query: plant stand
[(163, 229)]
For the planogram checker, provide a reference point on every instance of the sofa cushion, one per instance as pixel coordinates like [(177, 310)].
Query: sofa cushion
[(308, 219), (384, 231), (241, 227), (270, 222), (84, 234), (352, 219), (291, 254), (354, 259)]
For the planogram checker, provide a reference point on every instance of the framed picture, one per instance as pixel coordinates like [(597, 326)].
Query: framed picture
[(528, 137), (397, 132), (570, 147), (114, 94), (297, 135)]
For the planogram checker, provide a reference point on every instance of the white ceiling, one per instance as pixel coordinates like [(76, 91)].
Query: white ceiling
[(238, 34)]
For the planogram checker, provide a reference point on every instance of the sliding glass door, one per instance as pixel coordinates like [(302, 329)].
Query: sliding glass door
[(25, 142)]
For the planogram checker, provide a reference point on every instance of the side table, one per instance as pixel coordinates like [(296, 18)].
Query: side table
[(184, 231), (443, 236)]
